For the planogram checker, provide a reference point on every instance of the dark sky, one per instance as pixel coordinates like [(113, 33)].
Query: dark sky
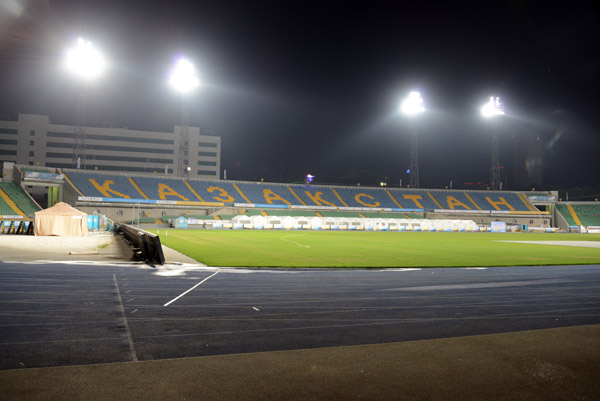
[(298, 87)]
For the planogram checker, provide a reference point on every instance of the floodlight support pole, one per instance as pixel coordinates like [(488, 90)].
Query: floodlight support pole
[(414, 160), (495, 162), (79, 136), (184, 142)]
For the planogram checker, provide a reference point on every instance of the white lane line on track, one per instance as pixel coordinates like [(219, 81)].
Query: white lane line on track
[(497, 284), (127, 331), (179, 296), (255, 308), (294, 242)]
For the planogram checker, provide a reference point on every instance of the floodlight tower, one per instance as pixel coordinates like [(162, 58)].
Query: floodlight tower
[(411, 107), (492, 109), (86, 64), (184, 80)]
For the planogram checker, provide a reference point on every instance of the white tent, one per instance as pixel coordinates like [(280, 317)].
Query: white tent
[(331, 223), (241, 221), (290, 223), (259, 221), (274, 222), (316, 223)]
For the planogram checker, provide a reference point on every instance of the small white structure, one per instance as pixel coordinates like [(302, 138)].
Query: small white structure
[(241, 222), (290, 223), (316, 223), (258, 222), (330, 223), (274, 222)]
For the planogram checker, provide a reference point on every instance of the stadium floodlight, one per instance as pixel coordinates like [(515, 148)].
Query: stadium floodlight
[(492, 108), (183, 77), (413, 104), (85, 61)]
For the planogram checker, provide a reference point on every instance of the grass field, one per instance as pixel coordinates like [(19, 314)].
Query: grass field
[(375, 249)]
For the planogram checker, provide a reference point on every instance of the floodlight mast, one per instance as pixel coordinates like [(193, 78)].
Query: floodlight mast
[(411, 107), (492, 109), (85, 63), (183, 79)]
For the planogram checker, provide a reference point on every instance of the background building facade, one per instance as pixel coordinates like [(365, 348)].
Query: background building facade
[(33, 140)]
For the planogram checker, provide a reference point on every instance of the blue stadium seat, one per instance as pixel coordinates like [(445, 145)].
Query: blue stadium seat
[(366, 197), (103, 185), (162, 188), (316, 196), (495, 201), (271, 194), (217, 191), (453, 200)]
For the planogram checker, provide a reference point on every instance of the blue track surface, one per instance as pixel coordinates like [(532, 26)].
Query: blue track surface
[(68, 314)]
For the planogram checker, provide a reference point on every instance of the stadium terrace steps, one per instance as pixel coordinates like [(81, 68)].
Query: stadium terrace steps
[(16, 200), (162, 188)]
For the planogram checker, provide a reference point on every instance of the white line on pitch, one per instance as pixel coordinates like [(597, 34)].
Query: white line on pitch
[(176, 298)]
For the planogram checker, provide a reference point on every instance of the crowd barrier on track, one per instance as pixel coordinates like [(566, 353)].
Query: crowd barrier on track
[(146, 246)]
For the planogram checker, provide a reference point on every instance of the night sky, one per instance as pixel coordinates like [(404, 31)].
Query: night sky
[(299, 87)]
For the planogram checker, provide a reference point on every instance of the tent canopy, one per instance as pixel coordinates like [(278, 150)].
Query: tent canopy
[(61, 220)]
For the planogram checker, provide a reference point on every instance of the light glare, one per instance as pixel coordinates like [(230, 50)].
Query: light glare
[(492, 108), (84, 60), (413, 104), (183, 76)]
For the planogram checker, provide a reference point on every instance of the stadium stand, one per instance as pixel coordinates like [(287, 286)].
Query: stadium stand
[(414, 199), (566, 213), (580, 215), (165, 189), (230, 192), (315, 196), (267, 194), (103, 185), (589, 215), (15, 201), (217, 191), (509, 201), (365, 197)]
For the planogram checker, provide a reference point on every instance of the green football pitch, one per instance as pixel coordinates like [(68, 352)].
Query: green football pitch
[(359, 249)]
